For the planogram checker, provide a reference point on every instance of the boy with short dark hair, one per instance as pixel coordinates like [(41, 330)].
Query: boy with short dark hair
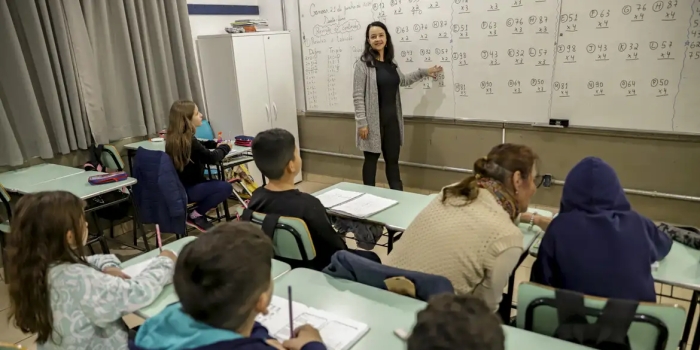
[(277, 157), (223, 281), (457, 322)]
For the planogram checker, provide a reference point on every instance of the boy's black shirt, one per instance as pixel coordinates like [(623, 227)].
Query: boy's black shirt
[(296, 204)]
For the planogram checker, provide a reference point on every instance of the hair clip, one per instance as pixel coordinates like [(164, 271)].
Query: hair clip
[(477, 176), (486, 158)]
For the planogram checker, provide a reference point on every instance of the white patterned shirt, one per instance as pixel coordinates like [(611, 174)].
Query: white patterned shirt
[(88, 305)]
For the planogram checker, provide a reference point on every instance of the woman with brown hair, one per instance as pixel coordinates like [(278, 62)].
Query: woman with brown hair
[(190, 156), (468, 234), (68, 300)]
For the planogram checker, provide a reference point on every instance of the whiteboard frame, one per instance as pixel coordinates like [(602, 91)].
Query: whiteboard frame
[(492, 122)]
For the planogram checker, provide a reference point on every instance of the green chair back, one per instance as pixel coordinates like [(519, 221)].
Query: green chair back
[(642, 336), (111, 159), (291, 240)]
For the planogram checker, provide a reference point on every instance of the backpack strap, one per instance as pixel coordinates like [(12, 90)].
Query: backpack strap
[(247, 215), (269, 224), (615, 321), (571, 313)]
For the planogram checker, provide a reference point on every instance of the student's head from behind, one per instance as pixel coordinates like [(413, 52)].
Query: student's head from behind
[(457, 322), (276, 154), (513, 166), (593, 186), (47, 228), (182, 123), (223, 278)]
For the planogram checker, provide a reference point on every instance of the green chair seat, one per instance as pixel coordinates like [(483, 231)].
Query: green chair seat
[(289, 232), (642, 336)]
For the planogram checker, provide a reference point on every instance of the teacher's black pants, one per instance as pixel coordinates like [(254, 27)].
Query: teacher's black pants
[(391, 147)]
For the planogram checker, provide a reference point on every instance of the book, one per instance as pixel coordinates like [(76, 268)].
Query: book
[(363, 206), (338, 333), (337, 196)]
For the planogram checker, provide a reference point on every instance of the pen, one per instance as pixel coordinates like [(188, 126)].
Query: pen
[(158, 240), (291, 316)]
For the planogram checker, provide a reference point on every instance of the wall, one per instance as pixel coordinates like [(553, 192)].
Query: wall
[(214, 24), (650, 162), (644, 161)]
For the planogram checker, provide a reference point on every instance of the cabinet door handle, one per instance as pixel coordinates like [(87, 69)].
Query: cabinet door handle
[(267, 112), (274, 106)]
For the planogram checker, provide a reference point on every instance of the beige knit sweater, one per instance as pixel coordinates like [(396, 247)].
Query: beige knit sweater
[(476, 246)]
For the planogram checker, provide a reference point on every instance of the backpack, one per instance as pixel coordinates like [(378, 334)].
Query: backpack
[(114, 212), (609, 332)]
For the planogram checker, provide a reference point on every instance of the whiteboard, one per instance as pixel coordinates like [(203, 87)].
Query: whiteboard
[(599, 63)]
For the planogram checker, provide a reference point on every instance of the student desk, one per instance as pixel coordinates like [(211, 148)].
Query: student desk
[(15, 181), (383, 311), (681, 268), (168, 295), (227, 162), (396, 218), (69, 179)]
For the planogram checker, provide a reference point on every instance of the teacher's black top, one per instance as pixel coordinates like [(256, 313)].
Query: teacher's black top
[(388, 81)]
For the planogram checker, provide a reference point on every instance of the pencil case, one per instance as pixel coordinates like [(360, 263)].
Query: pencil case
[(244, 141), (107, 178)]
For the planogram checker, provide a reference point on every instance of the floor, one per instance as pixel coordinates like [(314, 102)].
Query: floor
[(9, 333)]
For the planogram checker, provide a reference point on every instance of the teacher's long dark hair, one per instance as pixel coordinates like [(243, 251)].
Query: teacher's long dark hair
[(369, 55)]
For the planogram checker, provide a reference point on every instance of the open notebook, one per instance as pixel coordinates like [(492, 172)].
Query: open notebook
[(355, 204), (137, 268), (338, 333)]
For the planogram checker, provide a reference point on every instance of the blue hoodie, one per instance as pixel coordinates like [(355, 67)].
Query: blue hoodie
[(173, 329), (598, 245)]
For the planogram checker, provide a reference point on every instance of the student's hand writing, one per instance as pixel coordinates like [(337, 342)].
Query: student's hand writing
[(169, 254), (116, 272), (364, 132), (303, 335), (275, 344)]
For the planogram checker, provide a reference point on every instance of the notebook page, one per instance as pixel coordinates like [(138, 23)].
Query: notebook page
[(336, 196), (136, 269), (337, 333), (364, 206)]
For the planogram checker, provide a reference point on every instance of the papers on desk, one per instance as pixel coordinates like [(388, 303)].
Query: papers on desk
[(337, 196), (355, 204), (136, 269), (338, 333)]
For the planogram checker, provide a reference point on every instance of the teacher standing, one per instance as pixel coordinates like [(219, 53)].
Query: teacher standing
[(378, 104)]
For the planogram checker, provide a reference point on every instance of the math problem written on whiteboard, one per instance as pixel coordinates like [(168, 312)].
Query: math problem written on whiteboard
[(609, 63)]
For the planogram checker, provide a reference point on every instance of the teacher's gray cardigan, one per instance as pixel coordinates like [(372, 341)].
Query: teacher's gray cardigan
[(365, 96)]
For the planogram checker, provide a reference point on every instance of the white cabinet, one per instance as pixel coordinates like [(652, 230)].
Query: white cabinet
[(249, 84)]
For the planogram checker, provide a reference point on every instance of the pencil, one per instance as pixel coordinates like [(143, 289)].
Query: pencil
[(158, 240), (291, 316)]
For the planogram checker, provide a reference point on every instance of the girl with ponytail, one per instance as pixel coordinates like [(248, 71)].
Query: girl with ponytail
[(468, 234)]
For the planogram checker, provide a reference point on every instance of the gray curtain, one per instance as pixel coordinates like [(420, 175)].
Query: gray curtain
[(77, 71)]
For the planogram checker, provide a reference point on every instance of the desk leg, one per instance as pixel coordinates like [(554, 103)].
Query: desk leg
[(507, 302), (129, 155), (689, 324)]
